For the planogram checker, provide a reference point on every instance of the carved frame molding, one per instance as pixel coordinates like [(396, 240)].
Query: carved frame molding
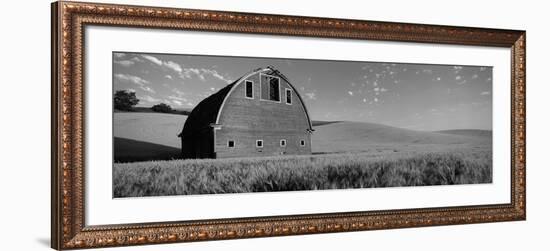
[(68, 22)]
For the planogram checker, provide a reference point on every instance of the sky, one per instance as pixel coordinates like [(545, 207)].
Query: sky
[(413, 96)]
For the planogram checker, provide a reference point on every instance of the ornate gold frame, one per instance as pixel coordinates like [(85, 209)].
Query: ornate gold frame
[(68, 228)]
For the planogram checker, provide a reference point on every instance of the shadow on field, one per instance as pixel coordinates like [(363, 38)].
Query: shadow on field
[(128, 150)]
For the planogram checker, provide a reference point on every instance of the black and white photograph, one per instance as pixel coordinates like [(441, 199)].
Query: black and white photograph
[(203, 124)]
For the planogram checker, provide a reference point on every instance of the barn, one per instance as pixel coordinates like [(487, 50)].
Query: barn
[(259, 114)]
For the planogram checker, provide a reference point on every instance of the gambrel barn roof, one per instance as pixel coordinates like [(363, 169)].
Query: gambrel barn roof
[(206, 113)]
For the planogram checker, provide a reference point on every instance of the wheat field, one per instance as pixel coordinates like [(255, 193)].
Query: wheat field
[(294, 173)]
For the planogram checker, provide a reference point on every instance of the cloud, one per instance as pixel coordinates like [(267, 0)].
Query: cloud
[(212, 88), (177, 102), (427, 71), (148, 98), (187, 72), (488, 79), (178, 98), (178, 92), (167, 65), (173, 66), (142, 83), (119, 54), (152, 59), (383, 89), (350, 93), (458, 77), (461, 82), (475, 76), (215, 74), (125, 63), (457, 69), (168, 76), (485, 93), (310, 95), (202, 74), (438, 78), (128, 62)]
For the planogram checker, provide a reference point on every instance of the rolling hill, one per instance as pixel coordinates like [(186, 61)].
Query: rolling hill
[(151, 127), (139, 134), (469, 132), (359, 136)]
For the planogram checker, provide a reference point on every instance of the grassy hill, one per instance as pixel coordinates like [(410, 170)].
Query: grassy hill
[(469, 132), (358, 136), (346, 155), (154, 135), (147, 136)]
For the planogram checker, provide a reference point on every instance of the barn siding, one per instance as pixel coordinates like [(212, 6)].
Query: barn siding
[(247, 120)]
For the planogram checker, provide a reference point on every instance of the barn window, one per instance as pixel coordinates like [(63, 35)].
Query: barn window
[(274, 89), (302, 142), (288, 96), (249, 89), (259, 143), (231, 143), (283, 142)]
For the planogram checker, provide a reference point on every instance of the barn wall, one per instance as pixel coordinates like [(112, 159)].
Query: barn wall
[(246, 120)]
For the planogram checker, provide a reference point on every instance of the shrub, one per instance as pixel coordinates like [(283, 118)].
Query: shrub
[(162, 107)]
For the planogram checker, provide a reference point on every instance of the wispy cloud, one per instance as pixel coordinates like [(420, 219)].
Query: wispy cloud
[(457, 69), (148, 98), (310, 95), (485, 93), (177, 102), (153, 59), (126, 62), (142, 83), (203, 73), (173, 66)]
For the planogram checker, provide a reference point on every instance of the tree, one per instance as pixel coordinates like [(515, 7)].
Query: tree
[(162, 107), (125, 100)]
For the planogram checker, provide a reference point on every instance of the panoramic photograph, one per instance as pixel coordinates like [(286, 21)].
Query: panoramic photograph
[(201, 124)]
